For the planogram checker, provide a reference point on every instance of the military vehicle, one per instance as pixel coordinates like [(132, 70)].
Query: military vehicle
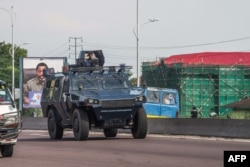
[(91, 96), (9, 121)]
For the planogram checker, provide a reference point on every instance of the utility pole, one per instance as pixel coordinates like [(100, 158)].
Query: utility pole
[(77, 42)]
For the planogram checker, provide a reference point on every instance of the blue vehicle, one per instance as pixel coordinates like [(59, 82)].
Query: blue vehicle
[(161, 102)]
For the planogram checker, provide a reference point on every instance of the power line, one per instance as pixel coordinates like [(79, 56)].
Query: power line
[(195, 45), (165, 47), (77, 43), (54, 50), (119, 47), (108, 46), (60, 53)]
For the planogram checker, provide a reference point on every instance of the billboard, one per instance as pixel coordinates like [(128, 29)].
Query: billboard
[(33, 79)]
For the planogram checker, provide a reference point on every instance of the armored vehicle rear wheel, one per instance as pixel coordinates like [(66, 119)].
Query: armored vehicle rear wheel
[(111, 132), (80, 124), (55, 130), (140, 127), (7, 150)]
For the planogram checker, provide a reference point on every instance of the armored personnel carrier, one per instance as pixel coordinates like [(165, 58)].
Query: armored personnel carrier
[(10, 121), (90, 96)]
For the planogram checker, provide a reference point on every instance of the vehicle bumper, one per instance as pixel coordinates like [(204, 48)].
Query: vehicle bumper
[(8, 136)]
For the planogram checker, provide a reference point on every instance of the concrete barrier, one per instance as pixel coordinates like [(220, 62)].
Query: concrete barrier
[(229, 128)]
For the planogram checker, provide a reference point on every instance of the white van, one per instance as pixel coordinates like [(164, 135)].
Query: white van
[(10, 120)]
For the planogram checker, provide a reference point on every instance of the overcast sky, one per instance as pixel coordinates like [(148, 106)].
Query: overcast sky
[(185, 26)]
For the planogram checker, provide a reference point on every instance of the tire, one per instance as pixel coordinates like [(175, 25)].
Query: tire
[(55, 130), (7, 150), (111, 132), (80, 125), (140, 127)]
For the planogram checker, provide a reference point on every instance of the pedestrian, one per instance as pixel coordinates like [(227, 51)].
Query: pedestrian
[(194, 112)]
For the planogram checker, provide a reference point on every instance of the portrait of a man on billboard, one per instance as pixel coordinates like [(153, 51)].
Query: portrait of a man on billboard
[(34, 80)]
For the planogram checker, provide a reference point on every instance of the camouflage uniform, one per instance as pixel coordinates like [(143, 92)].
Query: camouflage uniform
[(33, 84)]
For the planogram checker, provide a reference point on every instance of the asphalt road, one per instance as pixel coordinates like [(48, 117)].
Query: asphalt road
[(35, 149)]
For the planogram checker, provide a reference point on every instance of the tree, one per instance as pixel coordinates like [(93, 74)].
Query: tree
[(6, 62), (129, 73), (133, 81)]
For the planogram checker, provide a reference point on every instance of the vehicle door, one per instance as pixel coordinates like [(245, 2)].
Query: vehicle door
[(152, 106), (169, 106)]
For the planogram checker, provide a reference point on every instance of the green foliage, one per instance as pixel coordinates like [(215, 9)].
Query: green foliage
[(133, 81), (243, 114), (6, 62), (32, 112), (129, 73)]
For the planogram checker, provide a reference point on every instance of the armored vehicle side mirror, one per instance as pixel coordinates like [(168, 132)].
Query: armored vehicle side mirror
[(45, 73)]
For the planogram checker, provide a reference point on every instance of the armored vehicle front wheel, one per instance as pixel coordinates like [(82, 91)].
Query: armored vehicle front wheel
[(111, 132), (80, 124), (7, 150), (55, 130), (140, 127)]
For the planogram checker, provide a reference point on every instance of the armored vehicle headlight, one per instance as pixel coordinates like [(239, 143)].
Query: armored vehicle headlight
[(139, 99), (91, 101)]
